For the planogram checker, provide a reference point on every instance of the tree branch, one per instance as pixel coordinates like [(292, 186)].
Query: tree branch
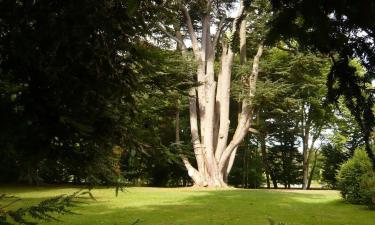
[(193, 36), (286, 49), (218, 31), (238, 17), (164, 30), (253, 130), (255, 71)]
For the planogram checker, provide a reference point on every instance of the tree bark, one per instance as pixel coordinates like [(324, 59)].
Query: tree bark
[(209, 103), (244, 169), (264, 159), (305, 145), (312, 169), (195, 140), (274, 181), (308, 150)]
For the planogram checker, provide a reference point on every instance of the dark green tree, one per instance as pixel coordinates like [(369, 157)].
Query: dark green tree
[(344, 140), (292, 90), (283, 157), (333, 157), (344, 30), (248, 169), (72, 76)]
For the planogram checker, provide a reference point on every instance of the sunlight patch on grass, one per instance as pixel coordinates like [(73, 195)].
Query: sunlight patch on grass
[(187, 206)]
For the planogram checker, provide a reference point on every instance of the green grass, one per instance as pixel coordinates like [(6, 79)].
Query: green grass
[(178, 206)]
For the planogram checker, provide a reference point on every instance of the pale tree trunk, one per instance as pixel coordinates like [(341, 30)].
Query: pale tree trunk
[(308, 150), (263, 148), (197, 176), (226, 96), (305, 162), (209, 102), (274, 180), (311, 152), (312, 169), (305, 145), (244, 169)]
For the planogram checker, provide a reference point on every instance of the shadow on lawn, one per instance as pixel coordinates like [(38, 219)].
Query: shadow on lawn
[(223, 207), (233, 207)]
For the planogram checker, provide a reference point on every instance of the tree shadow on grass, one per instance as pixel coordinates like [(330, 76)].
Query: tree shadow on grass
[(221, 207), (232, 207)]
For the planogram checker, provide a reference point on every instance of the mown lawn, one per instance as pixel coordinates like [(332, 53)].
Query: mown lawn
[(180, 206)]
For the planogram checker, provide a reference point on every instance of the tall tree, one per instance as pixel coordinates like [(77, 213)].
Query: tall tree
[(72, 76), (65, 87), (344, 30), (346, 137), (209, 102), (292, 88), (308, 73)]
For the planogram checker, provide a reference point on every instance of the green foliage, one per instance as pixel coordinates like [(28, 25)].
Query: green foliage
[(285, 164), (316, 167), (342, 30), (347, 133), (73, 77), (153, 157), (78, 79), (333, 157), (195, 206), (66, 89), (368, 190), (290, 96), (44, 211), (344, 80), (356, 179), (247, 171), (345, 138)]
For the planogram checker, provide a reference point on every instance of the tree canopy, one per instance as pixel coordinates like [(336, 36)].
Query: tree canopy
[(180, 92)]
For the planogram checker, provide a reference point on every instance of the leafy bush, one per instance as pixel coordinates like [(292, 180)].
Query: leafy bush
[(368, 190), (356, 180)]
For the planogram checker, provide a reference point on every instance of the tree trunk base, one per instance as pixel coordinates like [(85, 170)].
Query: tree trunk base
[(211, 185)]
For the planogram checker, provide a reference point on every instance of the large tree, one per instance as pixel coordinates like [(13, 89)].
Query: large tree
[(343, 29), (72, 76), (292, 88), (192, 22), (64, 86)]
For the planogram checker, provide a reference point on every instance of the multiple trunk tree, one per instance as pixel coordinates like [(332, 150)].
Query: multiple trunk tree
[(209, 102)]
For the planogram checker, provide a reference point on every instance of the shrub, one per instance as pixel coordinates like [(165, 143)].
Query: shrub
[(368, 190), (356, 180)]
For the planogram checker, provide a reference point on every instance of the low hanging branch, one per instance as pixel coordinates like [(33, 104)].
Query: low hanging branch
[(193, 36), (219, 30), (164, 30), (43, 211), (343, 81)]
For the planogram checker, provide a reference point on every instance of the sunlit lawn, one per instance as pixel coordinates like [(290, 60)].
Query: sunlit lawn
[(178, 206)]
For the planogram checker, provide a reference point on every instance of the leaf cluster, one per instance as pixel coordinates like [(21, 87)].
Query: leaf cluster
[(43, 211)]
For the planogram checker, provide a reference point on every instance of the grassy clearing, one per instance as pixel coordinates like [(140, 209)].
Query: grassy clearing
[(182, 206)]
